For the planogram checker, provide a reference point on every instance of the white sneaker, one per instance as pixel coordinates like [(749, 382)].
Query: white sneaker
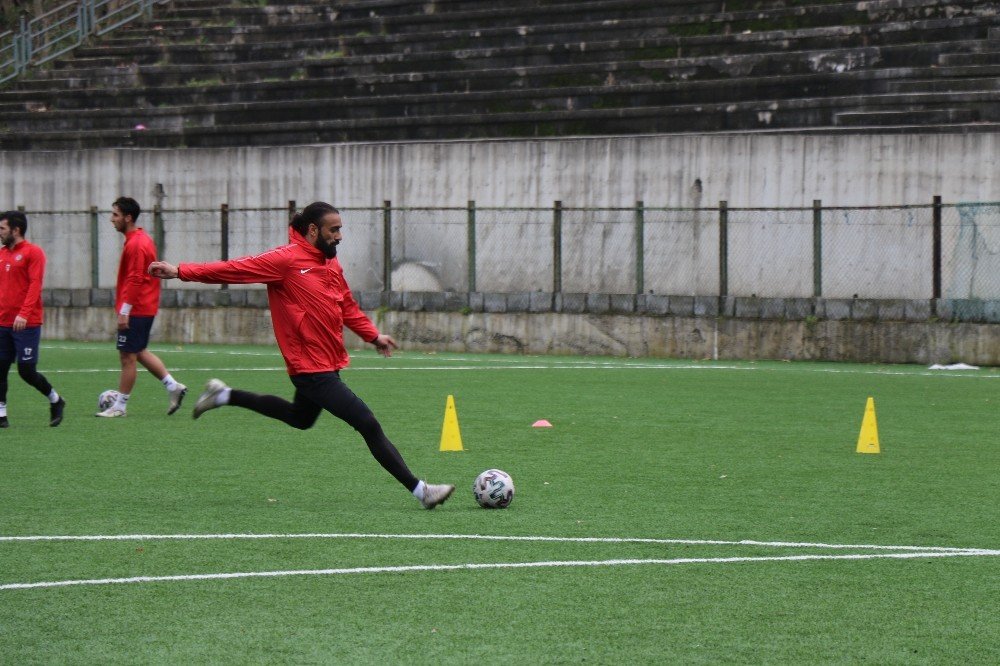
[(206, 400), (111, 412), (436, 494), (176, 398)]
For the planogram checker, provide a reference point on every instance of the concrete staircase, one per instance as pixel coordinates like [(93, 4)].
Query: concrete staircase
[(201, 74)]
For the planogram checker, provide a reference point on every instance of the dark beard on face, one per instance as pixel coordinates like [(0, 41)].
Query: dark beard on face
[(329, 250)]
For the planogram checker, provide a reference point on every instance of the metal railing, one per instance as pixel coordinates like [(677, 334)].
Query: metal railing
[(62, 29), (932, 251)]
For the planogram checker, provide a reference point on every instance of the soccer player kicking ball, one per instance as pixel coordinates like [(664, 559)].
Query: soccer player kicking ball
[(310, 305)]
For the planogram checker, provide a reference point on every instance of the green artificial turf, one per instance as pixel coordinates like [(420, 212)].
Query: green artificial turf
[(688, 451)]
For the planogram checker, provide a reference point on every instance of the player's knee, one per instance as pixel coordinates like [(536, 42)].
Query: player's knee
[(27, 371), (366, 423), (303, 421)]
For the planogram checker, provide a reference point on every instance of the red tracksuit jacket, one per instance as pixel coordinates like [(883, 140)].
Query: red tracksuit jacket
[(309, 299), (22, 270), (135, 285)]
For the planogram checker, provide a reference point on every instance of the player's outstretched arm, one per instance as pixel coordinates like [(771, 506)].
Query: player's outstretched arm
[(162, 270)]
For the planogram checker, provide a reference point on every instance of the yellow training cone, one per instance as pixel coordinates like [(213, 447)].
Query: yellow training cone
[(451, 438), (868, 439)]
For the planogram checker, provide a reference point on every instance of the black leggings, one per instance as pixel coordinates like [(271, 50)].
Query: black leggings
[(28, 373), (325, 390)]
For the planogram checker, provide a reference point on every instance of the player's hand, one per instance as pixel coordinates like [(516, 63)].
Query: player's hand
[(20, 323), (122, 322), (385, 344), (162, 270)]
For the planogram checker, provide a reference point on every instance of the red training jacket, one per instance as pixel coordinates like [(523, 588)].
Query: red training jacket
[(135, 285), (22, 271), (309, 299)]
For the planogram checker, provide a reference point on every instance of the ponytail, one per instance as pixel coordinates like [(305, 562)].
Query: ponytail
[(311, 214)]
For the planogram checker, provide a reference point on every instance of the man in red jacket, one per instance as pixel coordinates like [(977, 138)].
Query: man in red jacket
[(137, 300), (22, 270), (310, 304)]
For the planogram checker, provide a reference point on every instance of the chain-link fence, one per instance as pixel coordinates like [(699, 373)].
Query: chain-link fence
[(903, 252)]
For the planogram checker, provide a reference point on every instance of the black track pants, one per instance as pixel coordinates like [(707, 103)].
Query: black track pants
[(29, 374), (325, 390)]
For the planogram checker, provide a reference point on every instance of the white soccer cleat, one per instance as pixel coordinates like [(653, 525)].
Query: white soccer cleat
[(436, 494), (206, 400), (176, 398), (111, 413)]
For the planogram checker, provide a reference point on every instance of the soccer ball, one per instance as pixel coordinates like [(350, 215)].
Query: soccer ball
[(493, 489), (106, 399)]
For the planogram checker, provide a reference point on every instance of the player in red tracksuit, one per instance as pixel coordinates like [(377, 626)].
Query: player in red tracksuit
[(310, 304), (137, 300), (22, 270)]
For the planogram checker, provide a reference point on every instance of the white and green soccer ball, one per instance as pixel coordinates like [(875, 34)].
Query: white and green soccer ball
[(106, 399), (493, 489)]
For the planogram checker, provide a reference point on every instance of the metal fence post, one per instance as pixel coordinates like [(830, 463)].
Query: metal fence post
[(387, 246), (159, 235), (723, 249), (25, 43), (291, 209), (471, 245), (557, 211), (817, 248), (95, 249), (936, 245), (224, 235), (640, 247), (82, 28)]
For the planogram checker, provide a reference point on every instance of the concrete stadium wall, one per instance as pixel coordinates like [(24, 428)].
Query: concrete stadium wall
[(684, 170), (587, 324)]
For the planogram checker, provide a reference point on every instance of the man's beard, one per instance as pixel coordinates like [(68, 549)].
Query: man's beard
[(329, 250)]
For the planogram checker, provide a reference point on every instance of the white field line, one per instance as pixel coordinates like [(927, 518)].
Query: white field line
[(415, 368), (481, 368), (173, 369), (511, 364), (472, 566), (551, 362), (488, 537)]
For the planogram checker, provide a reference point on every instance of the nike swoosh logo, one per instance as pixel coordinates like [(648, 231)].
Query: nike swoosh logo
[(304, 270)]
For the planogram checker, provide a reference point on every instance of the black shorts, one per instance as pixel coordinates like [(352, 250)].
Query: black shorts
[(135, 338), (21, 346)]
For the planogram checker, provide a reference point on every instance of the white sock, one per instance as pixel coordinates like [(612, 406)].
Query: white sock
[(3, 409), (53, 396), (122, 402), (169, 382), (222, 398), (418, 492)]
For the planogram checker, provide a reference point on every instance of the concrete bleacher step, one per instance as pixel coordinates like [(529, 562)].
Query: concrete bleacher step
[(914, 117), (380, 85), (981, 58), (451, 70), (682, 25), (984, 78), (819, 73), (100, 69), (281, 109), (898, 110)]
